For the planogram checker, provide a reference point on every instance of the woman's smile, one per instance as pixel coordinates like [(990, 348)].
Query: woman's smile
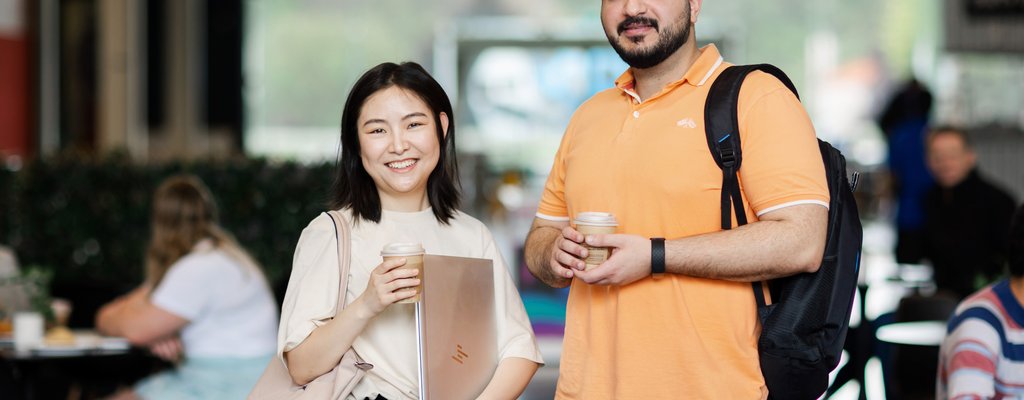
[(402, 165)]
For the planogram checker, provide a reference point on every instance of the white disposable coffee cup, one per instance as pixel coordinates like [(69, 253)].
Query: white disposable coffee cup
[(591, 223), (413, 255), (28, 330)]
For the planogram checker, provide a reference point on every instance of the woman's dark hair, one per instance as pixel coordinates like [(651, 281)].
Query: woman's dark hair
[(1016, 250), (353, 186)]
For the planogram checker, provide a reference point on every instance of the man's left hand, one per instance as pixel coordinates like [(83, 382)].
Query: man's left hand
[(629, 262)]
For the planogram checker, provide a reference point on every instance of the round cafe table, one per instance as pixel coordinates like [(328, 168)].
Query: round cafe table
[(914, 351), (917, 333), (49, 371), (87, 343)]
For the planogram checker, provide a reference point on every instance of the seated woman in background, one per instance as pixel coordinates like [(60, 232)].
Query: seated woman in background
[(982, 356), (205, 304), (396, 181)]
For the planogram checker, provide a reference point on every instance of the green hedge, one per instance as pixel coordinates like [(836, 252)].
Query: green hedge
[(6, 203), (88, 220)]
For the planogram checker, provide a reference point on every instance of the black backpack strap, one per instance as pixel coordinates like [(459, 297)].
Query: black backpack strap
[(722, 130)]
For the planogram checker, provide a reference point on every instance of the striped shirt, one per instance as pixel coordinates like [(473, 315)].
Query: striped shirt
[(982, 356)]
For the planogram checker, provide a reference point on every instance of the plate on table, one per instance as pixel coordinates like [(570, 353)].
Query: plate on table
[(97, 341), (64, 349), (84, 341), (113, 343)]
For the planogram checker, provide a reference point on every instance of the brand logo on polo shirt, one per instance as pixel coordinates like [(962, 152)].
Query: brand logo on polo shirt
[(686, 123)]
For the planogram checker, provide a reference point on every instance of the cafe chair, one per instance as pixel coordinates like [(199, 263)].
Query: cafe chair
[(915, 366)]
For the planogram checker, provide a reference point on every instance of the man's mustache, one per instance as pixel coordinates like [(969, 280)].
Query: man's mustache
[(637, 20)]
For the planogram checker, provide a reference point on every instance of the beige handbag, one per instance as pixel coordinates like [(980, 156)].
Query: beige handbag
[(276, 383)]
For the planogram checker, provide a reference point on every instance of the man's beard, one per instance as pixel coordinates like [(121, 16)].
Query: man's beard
[(669, 40)]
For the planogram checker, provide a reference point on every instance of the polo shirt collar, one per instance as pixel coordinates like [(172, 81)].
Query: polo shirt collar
[(698, 74)]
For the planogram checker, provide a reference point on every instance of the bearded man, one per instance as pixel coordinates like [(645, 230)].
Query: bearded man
[(670, 314)]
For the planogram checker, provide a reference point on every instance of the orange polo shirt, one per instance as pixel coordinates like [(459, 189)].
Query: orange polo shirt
[(649, 164)]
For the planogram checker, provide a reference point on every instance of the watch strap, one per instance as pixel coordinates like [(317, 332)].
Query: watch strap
[(657, 256)]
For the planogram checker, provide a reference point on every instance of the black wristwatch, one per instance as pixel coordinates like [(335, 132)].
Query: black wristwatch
[(657, 256)]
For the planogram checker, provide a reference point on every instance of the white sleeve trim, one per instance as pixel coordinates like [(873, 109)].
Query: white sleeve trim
[(552, 218), (792, 203)]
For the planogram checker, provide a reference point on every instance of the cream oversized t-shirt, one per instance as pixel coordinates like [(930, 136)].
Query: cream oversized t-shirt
[(389, 340)]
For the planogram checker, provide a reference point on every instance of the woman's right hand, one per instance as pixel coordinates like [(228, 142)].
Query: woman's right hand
[(388, 284), (168, 349)]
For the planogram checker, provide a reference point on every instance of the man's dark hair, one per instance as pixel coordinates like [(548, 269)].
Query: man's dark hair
[(353, 186), (950, 130), (1016, 249)]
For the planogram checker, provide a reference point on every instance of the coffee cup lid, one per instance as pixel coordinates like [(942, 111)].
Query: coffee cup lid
[(402, 249), (596, 219)]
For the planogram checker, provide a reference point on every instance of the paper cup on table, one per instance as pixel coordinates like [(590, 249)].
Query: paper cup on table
[(591, 223), (413, 255), (28, 330), (61, 311)]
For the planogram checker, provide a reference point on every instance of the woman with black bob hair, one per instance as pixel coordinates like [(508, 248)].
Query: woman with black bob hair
[(397, 181), (353, 186)]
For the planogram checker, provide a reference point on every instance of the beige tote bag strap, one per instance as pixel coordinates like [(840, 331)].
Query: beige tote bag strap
[(276, 383), (344, 234)]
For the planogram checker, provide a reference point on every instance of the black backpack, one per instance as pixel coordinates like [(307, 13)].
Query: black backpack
[(804, 329)]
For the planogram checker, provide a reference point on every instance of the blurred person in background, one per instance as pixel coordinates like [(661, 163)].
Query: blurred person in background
[(981, 356), (396, 181), (685, 327), (8, 263), (12, 295), (966, 216), (205, 304), (905, 124)]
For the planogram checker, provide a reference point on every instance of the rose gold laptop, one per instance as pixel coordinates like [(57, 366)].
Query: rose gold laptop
[(456, 328)]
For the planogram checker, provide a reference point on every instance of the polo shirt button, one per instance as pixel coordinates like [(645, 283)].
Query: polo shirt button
[(636, 114)]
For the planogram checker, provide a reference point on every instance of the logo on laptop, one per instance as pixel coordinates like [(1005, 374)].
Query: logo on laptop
[(459, 354), (686, 123)]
